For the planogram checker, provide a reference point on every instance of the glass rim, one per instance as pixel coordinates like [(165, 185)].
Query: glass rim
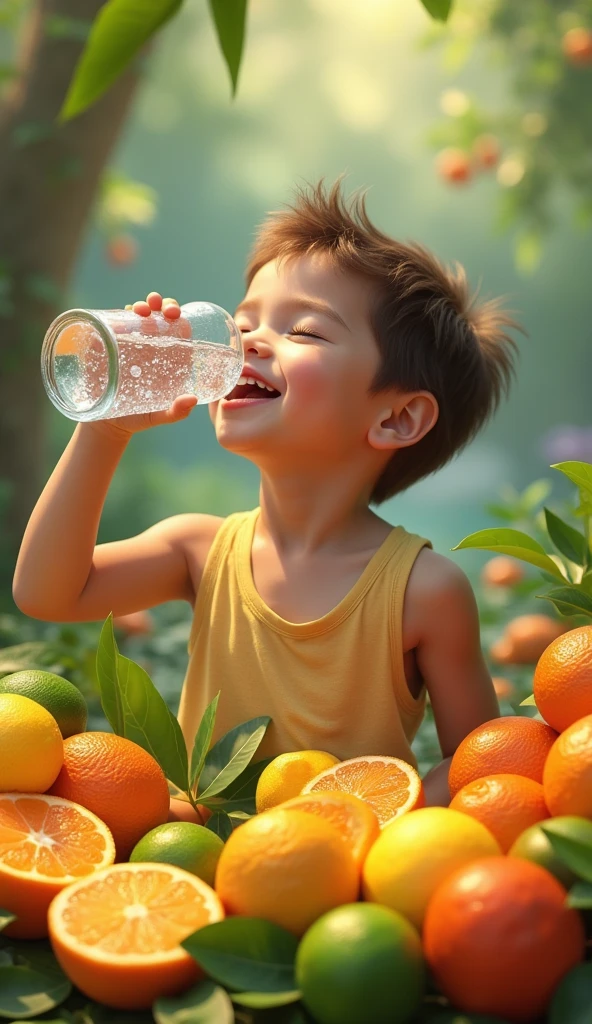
[(109, 340)]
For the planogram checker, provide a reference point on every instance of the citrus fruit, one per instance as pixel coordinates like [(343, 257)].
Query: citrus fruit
[(563, 679), (192, 847), (513, 744), (117, 935), (499, 937), (572, 999), (361, 963), (505, 804), (533, 844), (288, 867), (354, 819), (525, 638), (567, 778), (504, 688), (502, 571), (416, 852), (61, 698), (390, 786), (577, 45), (31, 745), (285, 776), (119, 781), (45, 843)]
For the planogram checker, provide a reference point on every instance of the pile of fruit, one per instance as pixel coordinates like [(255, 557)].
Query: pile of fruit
[(343, 897)]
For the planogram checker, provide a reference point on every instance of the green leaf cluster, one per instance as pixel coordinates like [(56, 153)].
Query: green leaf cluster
[(576, 854), (219, 776)]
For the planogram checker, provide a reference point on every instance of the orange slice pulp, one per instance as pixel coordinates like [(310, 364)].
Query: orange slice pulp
[(354, 819), (117, 934), (390, 786), (46, 842)]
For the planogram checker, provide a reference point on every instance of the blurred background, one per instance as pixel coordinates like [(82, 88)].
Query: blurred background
[(473, 137)]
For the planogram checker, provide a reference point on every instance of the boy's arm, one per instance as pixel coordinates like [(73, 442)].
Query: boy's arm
[(450, 659)]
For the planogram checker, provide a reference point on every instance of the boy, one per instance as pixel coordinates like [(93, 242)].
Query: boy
[(366, 368)]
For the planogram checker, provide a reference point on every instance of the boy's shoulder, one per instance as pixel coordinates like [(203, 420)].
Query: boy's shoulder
[(437, 591)]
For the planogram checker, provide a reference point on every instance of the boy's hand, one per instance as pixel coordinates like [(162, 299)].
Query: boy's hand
[(125, 426)]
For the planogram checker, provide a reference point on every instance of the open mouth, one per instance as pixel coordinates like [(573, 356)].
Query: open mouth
[(250, 390)]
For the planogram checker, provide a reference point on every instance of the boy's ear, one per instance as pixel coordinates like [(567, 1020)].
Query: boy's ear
[(409, 418)]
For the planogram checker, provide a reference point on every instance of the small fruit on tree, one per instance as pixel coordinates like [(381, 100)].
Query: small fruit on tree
[(577, 46), (121, 250), (454, 165), (486, 151)]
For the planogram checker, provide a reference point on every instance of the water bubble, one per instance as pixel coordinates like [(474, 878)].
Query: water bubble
[(136, 371)]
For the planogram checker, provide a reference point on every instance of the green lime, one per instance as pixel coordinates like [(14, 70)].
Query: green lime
[(572, 999), (189, 846), (534, 845), (61, 698), (359, 963)]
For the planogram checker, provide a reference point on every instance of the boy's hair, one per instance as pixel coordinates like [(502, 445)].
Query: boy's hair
[(430, 333)]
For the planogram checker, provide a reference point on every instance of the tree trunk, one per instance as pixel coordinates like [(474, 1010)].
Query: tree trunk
[(49, 175)]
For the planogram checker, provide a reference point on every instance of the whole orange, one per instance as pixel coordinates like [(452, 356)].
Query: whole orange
[(501, 571), (525, 638), (563, 679), (514, 744), (499, 937), (288, 867), (505, 804), (118, 781), (567, 779)]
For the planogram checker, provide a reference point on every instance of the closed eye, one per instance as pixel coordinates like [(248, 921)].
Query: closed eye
[(307, 333)]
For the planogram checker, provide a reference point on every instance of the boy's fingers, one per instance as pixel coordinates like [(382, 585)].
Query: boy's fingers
[(154, 300), (171, 309), (141, 308)]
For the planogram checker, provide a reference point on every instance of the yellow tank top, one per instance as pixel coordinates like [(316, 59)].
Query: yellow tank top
[(336, 683)]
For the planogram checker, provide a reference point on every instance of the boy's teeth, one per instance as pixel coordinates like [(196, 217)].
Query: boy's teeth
[(251, 380)]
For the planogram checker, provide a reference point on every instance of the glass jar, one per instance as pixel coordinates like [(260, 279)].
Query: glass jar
[(102, 363)]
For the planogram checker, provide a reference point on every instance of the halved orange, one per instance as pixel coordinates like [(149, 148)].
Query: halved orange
[(117, 935), (354, 819), (389, 785), (46, 842)]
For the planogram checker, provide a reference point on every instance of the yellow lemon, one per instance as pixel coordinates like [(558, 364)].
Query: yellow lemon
[(31, 745), (418, 851), (287, 774)]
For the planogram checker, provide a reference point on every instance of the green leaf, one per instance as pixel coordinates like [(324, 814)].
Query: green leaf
[(220, 824), (119, 31), (575, 853), (512, 542), (34, 654), (204, 1003), (533, 495), (229, 18), (240, 794), (569, 542), (150, 723), (24, 992), (580, 896), (247, 954), (111, 701), (5, 918), (265, 1000), (529, 702), (500, 512), (230, 755), (580, 473), (439, 9), (569, 600), (202, 741)]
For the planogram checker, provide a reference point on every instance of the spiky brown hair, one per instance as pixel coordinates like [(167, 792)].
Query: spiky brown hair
[(431, 333)]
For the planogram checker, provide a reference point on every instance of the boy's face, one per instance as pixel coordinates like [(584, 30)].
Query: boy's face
[(323, 411)]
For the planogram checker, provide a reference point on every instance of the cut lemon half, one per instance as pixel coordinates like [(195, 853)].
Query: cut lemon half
[(354, 819), (390, 786), (46, 842), (117, 935)]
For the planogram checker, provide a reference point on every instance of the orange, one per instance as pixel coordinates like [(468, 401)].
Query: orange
[(505, 804), (525, 638), (567, 778), (117, 935), (514, 744), (453, 165), (563, 679), (388, 785), (117, 780), (354, 819), (288, 867), (577, 45), (499, 937), (504, 688), (501, 571), (45, 843)]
